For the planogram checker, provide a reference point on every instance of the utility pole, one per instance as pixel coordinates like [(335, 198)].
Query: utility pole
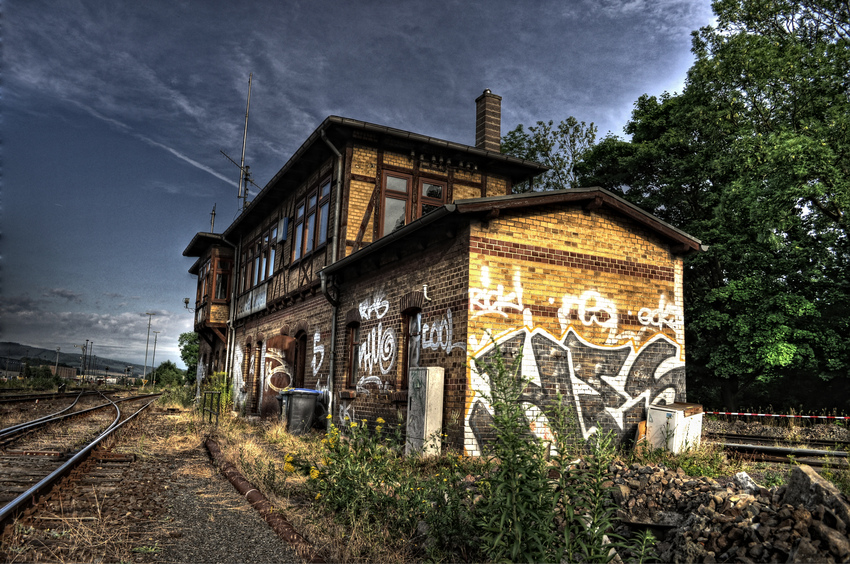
[(145, 372), (56, 368), (153, 360)]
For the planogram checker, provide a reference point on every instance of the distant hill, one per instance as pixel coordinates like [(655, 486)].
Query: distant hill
[(17, 351)]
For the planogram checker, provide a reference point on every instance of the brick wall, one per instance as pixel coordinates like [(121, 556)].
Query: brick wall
[(375, 301), (591, 301)]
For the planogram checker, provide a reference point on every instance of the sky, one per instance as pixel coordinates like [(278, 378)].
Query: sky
[(113, 116)]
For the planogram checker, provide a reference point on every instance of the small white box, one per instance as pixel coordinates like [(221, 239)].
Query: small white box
[(675, 427)]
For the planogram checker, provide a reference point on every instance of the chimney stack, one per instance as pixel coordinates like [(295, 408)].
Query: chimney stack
[(488, 121)]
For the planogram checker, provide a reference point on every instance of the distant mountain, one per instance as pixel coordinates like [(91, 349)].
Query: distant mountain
[(16, 351)]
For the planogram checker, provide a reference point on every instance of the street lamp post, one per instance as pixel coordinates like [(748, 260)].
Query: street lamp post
[(145, 372), (153, 360)]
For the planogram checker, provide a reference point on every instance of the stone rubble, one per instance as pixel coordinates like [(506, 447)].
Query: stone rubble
[(702, 520)]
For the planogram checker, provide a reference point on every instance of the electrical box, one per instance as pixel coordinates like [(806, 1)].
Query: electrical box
[(674, 427)]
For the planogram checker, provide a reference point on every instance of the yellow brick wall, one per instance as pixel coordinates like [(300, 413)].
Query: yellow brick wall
[(462, 192), (594, 297)]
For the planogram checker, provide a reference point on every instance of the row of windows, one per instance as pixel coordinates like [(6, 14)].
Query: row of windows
[(401, 205)]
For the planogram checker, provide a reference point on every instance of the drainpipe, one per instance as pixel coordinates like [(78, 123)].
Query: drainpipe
[(231, 340), (334, 256)]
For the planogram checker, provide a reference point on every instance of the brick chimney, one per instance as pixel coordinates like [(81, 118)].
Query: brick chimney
[(488, 121)]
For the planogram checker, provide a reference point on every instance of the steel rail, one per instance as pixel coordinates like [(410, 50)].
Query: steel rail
[(797, 452), (726, 437), (19, 425), (35, 397), (13, 505), (37, 423)]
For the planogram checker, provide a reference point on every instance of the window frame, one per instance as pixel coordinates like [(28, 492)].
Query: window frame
[(353, 343), (312, 211), (407, 341), (257, 259), (413, 197)]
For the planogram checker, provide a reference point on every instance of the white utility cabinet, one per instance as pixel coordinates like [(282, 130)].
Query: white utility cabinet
[(675, 427), (424, 410)]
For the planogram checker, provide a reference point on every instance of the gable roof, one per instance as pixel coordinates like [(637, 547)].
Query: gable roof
[(339, 130), (462, 211)]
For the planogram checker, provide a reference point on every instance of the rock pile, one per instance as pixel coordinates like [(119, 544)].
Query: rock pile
[(703, 520)]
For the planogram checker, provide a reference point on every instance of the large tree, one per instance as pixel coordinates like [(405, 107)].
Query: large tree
[(558, 146), (188, 343), (752, 158)]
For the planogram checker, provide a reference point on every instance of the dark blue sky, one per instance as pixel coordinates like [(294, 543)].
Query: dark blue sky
[(114, 113)]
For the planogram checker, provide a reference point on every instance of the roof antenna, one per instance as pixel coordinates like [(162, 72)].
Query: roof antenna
[(212, 220), (245, 176)]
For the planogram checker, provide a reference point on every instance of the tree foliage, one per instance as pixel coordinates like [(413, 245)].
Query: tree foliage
[(753, 158), (188, 343), (558, 146), (168, 375)]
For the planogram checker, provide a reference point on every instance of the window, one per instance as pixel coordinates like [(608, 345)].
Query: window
[(401, 204), (353, 355), (411, 324), (432, 195), (222, 280), (311, 221), (258, 258)]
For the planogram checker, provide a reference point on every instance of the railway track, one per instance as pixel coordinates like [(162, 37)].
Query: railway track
[(36, 454), (785, 450)]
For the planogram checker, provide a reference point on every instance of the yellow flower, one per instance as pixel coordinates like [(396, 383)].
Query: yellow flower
[(378, 428), (380, 421), (318, 495), (314, 473), (288, 467), (354, 424), (288, 458), (329, 417)]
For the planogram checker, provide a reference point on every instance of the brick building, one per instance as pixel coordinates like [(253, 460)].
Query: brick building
[(375, 250)]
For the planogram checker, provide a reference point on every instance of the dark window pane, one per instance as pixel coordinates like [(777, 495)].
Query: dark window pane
[(394, 214), (428, 208), (323, 223), (220, 286), (310, 222), (296, 246), (432, 191), (299, 212)]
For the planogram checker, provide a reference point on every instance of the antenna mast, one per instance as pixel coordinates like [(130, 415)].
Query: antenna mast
[(244, 175), (212, 220)]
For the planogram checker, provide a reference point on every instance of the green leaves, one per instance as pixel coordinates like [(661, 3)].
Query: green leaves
[(558, 146)]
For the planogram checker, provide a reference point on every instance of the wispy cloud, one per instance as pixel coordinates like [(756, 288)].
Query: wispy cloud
[(65, 294)]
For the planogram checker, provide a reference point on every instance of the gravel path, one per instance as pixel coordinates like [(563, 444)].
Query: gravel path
[(208, 521)]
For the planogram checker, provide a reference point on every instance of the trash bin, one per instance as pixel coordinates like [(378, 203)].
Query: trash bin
[(298, 407)]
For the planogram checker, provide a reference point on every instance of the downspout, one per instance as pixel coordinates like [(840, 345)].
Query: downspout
[(334, 256)]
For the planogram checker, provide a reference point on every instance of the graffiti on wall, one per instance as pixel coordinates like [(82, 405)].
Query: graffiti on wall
[(610, 385), (439, 335), (377, 345), (487, 300), (318, 354)]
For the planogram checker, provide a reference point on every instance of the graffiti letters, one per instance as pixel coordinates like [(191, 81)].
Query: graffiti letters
[(366, 380), (377, 304), (486, 300), (318, 350), (609, 387), (592, 308), (378, 349), (665, 315), (438, 335)]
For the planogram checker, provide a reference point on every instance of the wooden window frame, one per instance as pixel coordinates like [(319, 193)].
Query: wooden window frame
[(257, 259), (315, 206)]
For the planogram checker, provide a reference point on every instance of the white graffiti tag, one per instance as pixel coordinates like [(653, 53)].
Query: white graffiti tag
[(378, 305), (318, 350), (665, 315), (378, 349), (592, 309), (485, 300), (438, 335), (366, 380), (276, 365)]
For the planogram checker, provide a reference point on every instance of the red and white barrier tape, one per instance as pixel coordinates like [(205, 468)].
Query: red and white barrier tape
[(774, 415)]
